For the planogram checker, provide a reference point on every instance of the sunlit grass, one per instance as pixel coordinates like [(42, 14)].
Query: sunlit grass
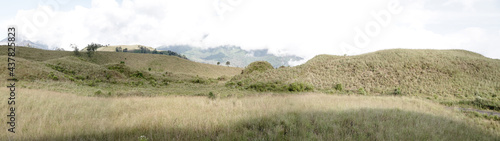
[(47, 115)]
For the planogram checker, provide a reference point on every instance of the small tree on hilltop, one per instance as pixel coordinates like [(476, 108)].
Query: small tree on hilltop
[(218, 63), (91, 48), (75, 51), (118, 49), (228, 63)]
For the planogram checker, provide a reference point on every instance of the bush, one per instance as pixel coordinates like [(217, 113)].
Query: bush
[(339, 87), (279, 86), (299, 87), (137, 74), (397, 91), (53, 76), (483, 103), (361, 91), (211, 95), (98, 93)]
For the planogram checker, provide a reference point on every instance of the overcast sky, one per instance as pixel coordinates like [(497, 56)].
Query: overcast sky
[(300, 27)]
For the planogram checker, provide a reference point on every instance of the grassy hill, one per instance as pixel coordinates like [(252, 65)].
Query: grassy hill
[(435, 74), (159, 64)]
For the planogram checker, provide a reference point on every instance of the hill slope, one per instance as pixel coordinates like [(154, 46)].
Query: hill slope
[(159, 64), (437, 73)]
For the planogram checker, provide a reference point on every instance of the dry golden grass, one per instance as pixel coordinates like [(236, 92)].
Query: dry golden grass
[(46, 115)]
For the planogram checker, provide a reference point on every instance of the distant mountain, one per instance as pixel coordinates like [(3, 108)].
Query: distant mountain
[(234, 54), (22, 41)]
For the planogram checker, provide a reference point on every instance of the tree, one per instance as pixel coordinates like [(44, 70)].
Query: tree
[(76, 51), (125, 50), (155, 51), (228, 63), (118, 49), (92, 47), (218, 63)]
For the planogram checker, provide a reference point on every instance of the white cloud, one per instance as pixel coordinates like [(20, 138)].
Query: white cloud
[(283, 26)]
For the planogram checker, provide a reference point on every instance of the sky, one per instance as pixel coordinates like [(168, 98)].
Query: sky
[(285, 27)]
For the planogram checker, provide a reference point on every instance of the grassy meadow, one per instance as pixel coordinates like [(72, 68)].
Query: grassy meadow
[(385, 95)]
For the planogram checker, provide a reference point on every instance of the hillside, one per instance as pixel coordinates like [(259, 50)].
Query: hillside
[(36, 59), (435, 74), (234, 54)]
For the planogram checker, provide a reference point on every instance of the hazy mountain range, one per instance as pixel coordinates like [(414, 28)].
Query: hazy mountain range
[(234, 54), (22, 41)]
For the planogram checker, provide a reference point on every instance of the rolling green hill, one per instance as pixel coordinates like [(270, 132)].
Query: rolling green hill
[(435, 74), (35, 59)]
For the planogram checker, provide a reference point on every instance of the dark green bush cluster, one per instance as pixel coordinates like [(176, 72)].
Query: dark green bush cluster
[(118, 67), (211, 95), (339, 87), (137, 74), (299, 87), (53, 76), (482, 103), (200, 80), (277, 86), (397, 91), (61, 69)]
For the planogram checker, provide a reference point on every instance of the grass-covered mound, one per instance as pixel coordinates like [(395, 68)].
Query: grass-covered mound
[(258, 66), (433, 73)]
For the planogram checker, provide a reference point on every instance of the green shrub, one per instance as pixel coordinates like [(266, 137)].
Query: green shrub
[(211, 95), (149, 69), (153, 83), (53, 76), (361, 91), (137, 74), (397, 91), (299, 87), (339, 87), (482, 103), (98, 93), (279, 86), (80, 77)]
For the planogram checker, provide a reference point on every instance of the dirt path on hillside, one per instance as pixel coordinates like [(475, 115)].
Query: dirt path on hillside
[(476, 110)]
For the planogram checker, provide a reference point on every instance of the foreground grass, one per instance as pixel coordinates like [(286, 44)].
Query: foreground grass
[(47, 115)]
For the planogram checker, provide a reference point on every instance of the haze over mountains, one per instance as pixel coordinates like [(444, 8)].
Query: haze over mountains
[(234, 54)]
